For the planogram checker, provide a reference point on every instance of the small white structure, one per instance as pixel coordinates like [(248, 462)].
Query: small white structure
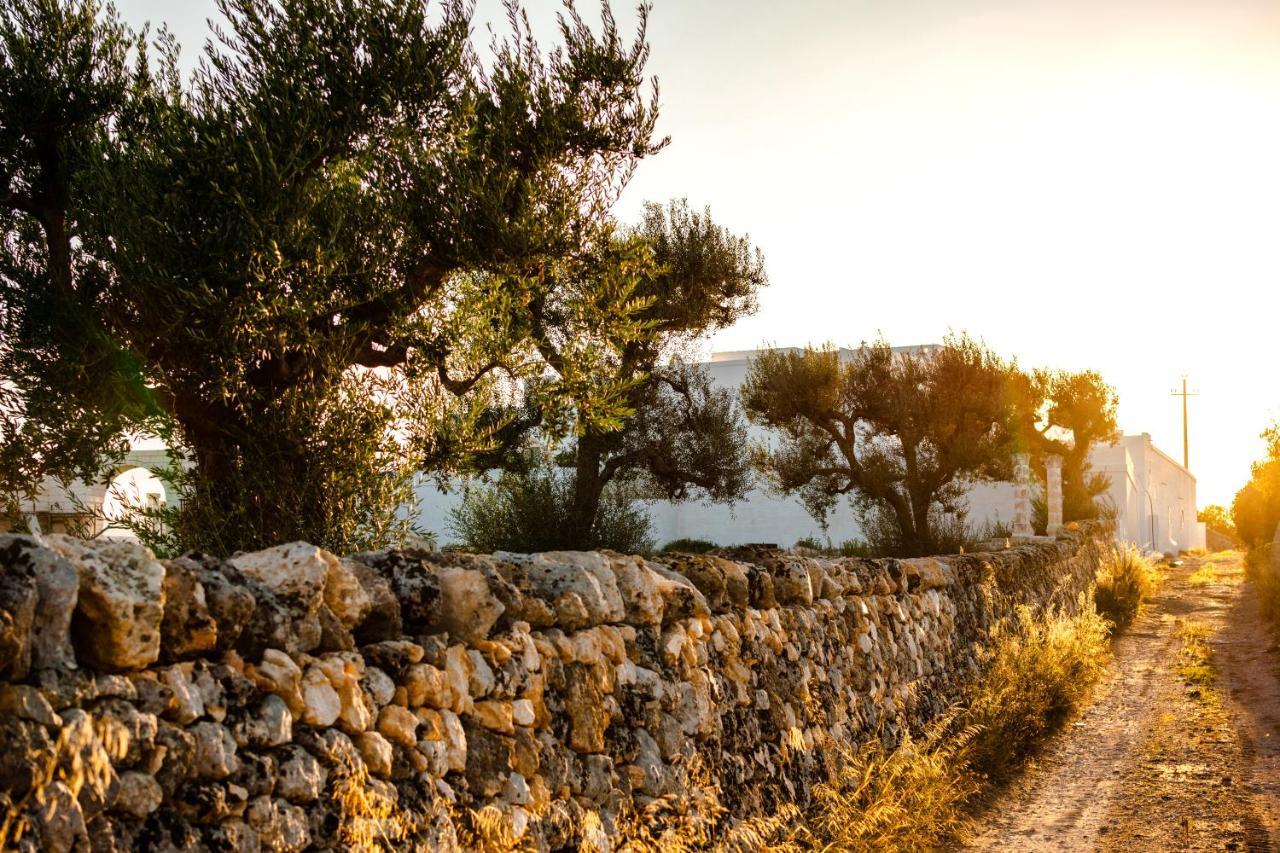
[(94, 509), (1154, 496)]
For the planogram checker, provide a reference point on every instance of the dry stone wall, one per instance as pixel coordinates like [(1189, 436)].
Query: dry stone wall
[(291, 699)]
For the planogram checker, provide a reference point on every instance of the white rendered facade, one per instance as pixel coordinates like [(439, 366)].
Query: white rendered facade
[(1155, 498)]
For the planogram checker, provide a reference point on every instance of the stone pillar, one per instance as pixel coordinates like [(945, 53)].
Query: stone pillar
[(1022, 495), (1053, 492)]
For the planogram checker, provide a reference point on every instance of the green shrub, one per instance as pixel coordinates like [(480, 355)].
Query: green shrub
[(1125, 580), (689, 546), (528, 511), (853, 548), (949, 532)]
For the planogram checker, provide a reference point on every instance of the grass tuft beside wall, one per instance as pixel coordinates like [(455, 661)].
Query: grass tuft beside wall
[(1125, 580), (917, 795)]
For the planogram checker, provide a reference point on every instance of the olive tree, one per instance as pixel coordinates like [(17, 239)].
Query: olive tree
[(900, 433), (675, 436), (1068, 414), (283, 255)]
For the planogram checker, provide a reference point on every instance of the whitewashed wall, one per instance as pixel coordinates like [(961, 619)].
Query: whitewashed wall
[(1155, 498)]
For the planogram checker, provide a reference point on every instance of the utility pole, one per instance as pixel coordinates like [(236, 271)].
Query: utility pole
[(1184, 394)]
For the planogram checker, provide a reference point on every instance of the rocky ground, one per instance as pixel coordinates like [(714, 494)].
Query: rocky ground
[(1180, 749)]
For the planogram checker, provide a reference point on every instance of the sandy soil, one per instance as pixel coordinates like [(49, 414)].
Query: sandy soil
[(1165, 757)]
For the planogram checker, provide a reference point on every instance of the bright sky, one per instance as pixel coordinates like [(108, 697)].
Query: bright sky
[(1085, 184)]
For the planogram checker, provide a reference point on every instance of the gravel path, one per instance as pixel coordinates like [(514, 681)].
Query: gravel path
[(1158, 762)]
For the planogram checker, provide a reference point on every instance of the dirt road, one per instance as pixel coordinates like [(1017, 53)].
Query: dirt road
[(1180, 746)]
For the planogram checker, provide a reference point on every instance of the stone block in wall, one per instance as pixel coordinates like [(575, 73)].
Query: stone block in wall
[(119, 604)]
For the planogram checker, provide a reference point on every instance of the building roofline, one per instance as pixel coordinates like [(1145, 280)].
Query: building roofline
[(745, 355)]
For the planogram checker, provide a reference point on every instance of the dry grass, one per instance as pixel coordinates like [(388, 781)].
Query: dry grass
[(488, 831), (371, 818), (81, 756), (1036, 674), (1266, 581), (1195, 658), (1221, 567), (671, 823), (917, 795), (911, 797), (1125, 580)]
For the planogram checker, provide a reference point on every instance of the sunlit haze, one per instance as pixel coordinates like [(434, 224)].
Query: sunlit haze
[(1091, 184)]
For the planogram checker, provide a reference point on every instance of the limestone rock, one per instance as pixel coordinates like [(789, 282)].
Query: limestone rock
[(288, 617), (414, 585), (344, 594), (681, 599), (59, 822), (380, 686), (495, 716), (511, 584), (26, 703), (277, 721), (187, 627), (18, 598), (173, 760), (458, 669), (229, 596), (584, 702), (639, 586), (522, 713), (321, 704), (57, 587), (278, 674), (392, 656), (334, 636), (580, 583), (383, 621), (455, 740), (120, 602), (398, 725), (376, 752), (927, 573), (355, 714), (468, 610), (427, 685), (482, 681), (139, 795), (187, 704), (279, 827), (300, 778), (489, 759), (215, 751), (791, 581)]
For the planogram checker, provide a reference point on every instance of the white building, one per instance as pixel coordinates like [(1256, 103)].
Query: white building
[(92, 509), (1154, 497)]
